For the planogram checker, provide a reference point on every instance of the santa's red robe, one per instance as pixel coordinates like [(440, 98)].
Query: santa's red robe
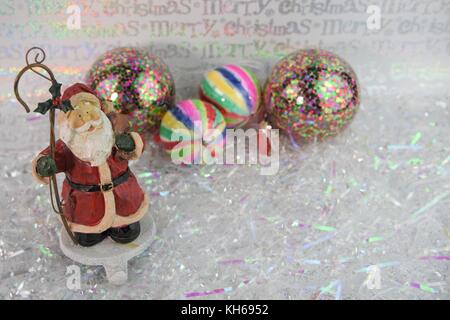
[(95, 212)]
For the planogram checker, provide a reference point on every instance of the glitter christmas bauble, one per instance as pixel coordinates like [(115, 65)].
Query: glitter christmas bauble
[(137, 82), (193, 132), (311, 94), (234, 90)]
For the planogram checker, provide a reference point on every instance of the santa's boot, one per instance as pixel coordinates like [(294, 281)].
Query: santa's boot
[(125, 234), (90, 239)]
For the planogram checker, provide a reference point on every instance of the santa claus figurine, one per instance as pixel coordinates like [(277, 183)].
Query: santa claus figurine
[(100, 196)]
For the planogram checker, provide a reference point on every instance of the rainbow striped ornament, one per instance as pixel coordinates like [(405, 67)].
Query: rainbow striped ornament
[(234, 90), (205, 125)]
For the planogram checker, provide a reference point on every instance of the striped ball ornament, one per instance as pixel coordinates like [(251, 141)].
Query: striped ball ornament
[(234, 90), (193, 132)]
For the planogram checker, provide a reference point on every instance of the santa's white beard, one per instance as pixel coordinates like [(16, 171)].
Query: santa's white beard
[(94, 147)]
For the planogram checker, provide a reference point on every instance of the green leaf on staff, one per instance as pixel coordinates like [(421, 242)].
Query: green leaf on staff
[(43, 107), (66, 106), (55, 90)]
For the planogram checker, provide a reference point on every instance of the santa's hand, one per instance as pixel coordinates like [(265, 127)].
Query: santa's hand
[(125, 143), (45, 166)]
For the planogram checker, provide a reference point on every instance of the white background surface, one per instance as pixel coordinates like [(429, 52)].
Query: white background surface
[(227, 227)]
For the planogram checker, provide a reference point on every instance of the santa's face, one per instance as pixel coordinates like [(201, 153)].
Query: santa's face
[(87, 132), (85, 118)]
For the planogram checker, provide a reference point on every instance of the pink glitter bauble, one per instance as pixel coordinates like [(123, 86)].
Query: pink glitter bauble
[(138, 83), (311, 94)]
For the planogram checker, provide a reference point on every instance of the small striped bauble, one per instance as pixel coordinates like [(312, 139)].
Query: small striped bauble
[(193, 131), (234, 90)]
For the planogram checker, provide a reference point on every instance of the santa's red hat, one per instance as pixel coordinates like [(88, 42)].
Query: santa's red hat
[(81, 92)]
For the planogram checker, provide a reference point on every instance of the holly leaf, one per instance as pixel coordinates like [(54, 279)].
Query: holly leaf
[(43, 107), (66, 106), (55, 90)]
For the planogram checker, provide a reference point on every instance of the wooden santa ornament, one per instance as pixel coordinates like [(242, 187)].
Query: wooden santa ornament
[(101, 197)]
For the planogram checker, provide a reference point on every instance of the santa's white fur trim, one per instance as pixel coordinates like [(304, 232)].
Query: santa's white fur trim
[(120, 221), (84, 96), (110, 218), (110, 206)]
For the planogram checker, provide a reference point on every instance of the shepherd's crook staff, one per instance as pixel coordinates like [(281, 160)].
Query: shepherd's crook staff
[(43, 107)]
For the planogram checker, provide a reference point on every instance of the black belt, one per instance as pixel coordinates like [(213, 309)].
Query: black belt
[(100, 187)]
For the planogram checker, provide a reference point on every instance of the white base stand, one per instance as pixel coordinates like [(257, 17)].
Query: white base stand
[(109, 254)]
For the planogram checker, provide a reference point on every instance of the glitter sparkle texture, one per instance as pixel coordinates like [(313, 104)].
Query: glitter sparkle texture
[(138, 83), (311, 93)]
